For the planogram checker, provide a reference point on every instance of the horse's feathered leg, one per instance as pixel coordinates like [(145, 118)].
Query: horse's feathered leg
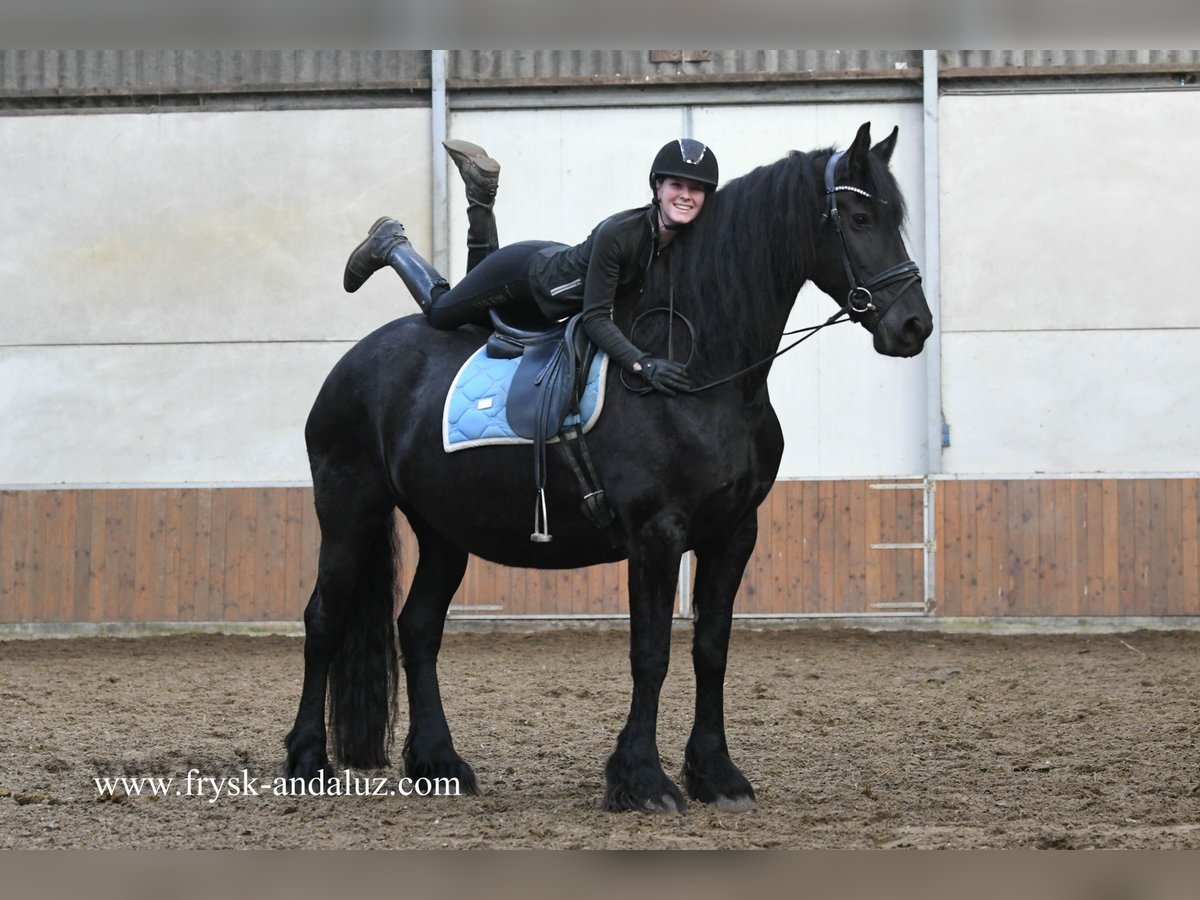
[(349, 644), (306, 742), (634, 776), (708, 773), (428, 749)]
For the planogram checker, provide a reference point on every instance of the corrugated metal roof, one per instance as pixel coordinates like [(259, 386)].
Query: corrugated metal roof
[(91, 72), (480, 68), (1014, 63)]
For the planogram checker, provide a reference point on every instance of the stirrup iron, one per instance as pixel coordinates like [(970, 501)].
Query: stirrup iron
[(541, 522)]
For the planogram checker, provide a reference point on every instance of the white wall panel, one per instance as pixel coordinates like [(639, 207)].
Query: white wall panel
[(562, 171), (1066, 211), (185, 240), (1088, 401), (202, 226), (159, 413), (1070, 337), (846, 411)]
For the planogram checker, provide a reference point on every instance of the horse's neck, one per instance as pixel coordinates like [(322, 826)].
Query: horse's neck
[(749, 329)]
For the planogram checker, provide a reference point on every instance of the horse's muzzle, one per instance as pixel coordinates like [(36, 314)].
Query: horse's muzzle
[(903, 330)]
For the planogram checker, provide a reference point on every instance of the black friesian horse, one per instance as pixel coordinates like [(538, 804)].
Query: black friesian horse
[(683, 473)]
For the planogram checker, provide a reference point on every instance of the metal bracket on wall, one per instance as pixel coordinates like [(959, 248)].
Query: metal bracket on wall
[(680, 56), (927, 546)]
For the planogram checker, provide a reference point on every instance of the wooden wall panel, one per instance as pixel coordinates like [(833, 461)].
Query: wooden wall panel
[(156, 555), (815, 556), (15, 527), (1019, 547), (1069, 547)]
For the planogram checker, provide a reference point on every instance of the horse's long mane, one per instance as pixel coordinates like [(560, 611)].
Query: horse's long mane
[(738, 268)]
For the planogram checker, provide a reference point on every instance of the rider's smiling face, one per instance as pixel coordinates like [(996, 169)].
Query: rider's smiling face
[(679, 199)]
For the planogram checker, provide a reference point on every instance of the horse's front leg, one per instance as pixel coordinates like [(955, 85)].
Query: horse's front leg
[(429, 749), (708, 772), (635, 778)]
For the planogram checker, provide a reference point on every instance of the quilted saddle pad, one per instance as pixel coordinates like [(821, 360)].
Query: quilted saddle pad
[(476, 412)]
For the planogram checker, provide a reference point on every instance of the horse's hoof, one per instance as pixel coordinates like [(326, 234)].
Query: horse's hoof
[(465, 776), (665, 804), (640, 789), (715, 779), (451, 766), (310, 765), (622, 801), (735, 804), (441, 774)]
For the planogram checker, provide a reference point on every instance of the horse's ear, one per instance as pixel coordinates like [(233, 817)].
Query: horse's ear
[(885, 147), (857, 154)]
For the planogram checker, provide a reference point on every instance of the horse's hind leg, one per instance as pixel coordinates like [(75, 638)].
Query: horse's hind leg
[(709, 774), (428, 749), (307, 756), (354, 579), (634, 775)]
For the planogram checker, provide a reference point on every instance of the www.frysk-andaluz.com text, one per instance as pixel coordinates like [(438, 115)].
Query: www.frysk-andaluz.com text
[(243, 784)]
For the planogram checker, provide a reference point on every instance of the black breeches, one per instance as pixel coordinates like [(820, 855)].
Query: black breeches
[(499, 280)]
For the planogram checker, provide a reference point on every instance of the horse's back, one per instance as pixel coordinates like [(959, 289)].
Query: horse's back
[(394, 371)]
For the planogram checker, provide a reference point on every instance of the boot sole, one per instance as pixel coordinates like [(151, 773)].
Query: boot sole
[(474, 153)]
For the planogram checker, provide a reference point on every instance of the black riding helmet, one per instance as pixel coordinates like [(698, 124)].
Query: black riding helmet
[(685, 158)]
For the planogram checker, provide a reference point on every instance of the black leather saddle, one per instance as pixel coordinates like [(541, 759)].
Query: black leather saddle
[(554, 360), (546, 388)]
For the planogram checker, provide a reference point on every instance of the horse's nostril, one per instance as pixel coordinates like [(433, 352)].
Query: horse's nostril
[(914, 330)]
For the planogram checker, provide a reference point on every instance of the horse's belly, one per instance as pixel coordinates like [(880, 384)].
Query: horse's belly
[(499, 529)]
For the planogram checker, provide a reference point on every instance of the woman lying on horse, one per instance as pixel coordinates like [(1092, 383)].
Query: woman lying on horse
[(551, 279)]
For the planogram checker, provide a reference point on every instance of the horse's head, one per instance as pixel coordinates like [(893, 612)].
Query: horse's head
[(862, 260)]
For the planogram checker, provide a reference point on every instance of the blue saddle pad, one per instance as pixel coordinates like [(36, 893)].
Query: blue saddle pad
[(476, 414)]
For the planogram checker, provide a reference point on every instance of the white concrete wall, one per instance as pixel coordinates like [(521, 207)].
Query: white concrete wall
[(845, 410), (148, 413), (171, 285), (1070, 327), (562, 170), (171, 292)]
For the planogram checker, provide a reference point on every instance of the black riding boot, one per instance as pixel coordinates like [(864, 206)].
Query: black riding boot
[(386, 244), (482, 239), (481, 175)]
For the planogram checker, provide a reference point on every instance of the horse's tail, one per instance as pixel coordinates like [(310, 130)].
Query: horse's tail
[(364, 672)]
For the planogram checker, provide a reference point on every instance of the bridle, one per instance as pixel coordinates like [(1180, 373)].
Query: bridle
[(861, 298), (860, 301)]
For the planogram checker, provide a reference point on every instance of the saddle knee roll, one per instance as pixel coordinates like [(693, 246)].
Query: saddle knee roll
[(501, 347)]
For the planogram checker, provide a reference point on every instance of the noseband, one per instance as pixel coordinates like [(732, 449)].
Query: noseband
[(861, 299)]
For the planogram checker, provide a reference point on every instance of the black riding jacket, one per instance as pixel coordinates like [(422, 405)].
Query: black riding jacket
[(612, 262)]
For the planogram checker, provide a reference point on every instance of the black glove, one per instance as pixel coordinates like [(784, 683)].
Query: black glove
[(664, 376)]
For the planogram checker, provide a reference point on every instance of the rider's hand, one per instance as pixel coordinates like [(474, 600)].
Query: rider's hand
[(663, 375)]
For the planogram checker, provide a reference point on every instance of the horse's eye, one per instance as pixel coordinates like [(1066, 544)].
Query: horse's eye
[(860, 219)]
